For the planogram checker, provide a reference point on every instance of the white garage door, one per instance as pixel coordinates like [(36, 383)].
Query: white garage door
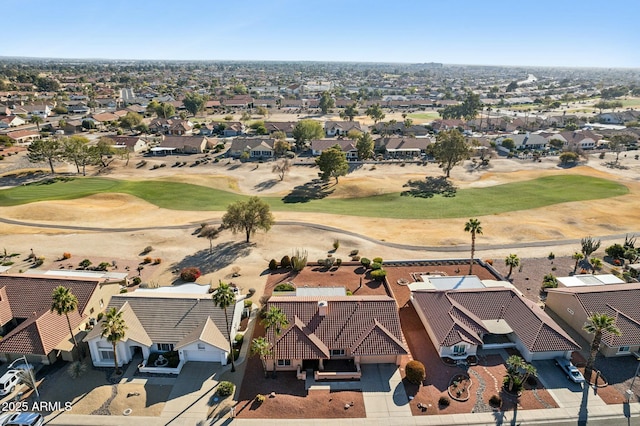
[(207, 356)]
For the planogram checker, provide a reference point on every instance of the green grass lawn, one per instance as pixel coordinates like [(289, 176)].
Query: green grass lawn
[(468, 202), (424, 116)]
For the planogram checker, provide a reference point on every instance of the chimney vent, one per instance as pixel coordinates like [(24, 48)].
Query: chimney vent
[(323, 307)]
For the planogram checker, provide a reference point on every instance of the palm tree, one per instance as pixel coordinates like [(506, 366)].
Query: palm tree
[(577, 256), (277, 320), (511, 261), (65, 302), (473, 226), (113, 330), (261, 347), (36, 119), (224, 297), (597, 324)]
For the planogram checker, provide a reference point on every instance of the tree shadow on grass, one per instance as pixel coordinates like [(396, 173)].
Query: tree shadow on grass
[(223, 255), (316, 189)]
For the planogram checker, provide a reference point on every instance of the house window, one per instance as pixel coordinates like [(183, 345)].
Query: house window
[(337, 352), (106, 355), (459, 349), (623, 349), (201, 346), (284, 362), (165, 347)]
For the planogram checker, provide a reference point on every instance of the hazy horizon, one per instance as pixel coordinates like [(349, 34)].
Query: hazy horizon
[(565, 34)]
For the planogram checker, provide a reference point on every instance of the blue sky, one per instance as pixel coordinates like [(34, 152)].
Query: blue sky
[(583, 33)]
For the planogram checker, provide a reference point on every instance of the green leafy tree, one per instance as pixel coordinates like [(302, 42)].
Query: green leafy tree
[(76, 150), (556, 144), (597, 324), (275, 319), (474, 227), (518, 371), (332, 163), (511, 261), (131, 120), (364, 145), (49, 150), (37, 120), (307, 130), (104, 150), (508, 143), (64, 302), (375, 113), (248, 216), (223, 297), (349, 112), (569, 158), (449, 149), (194, 103), (114, 330), (261, 347), (326, 102), (281, 146)]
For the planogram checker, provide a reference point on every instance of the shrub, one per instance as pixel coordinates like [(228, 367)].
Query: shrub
[(365, 262), (355, 258), (225, 388), (66, 255), (260, 398), (488, 261), (549, 281), (353, 253), (38, 262), (85, 263), (336, 244), (273, 265), (248, 303), (236, 354), (378, 274), (103, 266), (444, 401), (239, 338), (349, 293), (377, 260), (157, 261), (616, 251), (285, 262), (338, 262), (495, 401), (147, 250), (190, 274), (328, 262), (147, 259), (136, 280), (299, 260), (376, 266), (123, 290), (551, 256), (415, 372), (285, 287)]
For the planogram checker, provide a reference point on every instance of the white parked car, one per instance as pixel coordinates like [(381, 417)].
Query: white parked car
[(25, 418), (8, 382), (570, 370)]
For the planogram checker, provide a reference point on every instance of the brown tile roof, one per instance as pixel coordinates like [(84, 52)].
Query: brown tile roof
[(365, 325), (105, 116), (456, 316), (405, 143), (323, 144), (621, 301), (30, 301)]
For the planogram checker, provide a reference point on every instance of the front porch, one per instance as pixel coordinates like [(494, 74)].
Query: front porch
[(329, 370)]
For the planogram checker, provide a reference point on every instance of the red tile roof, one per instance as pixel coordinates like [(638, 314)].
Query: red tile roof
[(457, 316), (30, 302), (365, 325)]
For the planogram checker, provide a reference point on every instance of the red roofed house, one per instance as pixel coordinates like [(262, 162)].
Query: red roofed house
[(461, 321), (28, 326), (621, 301), (324, 330), (23, 136)]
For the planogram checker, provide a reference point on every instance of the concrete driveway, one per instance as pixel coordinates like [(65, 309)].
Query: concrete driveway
[(565, 392)]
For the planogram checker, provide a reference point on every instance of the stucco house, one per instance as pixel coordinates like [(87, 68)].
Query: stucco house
[(28, 326), (461, 321), (322, 330), (189, 324), (131, 143), (402, 147), (258, 148), (621, 301), (347, 146), (341, 128), (11, 121), (182, 144)]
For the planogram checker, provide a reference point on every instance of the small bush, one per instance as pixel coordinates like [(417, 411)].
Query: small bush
[(495, 401), (147, 250), (260, 398), (38, 262), (85, 263), (328, 262), (338, 262), (273, 265), (444, 401), (239, 338), (549, 281), (336, 244), (285, 262), (225, 388), (353, 253), (365, 262), (377, 260), (66, 255), (488, 261), (103, 266), (248, 303), (285, 287), (320, 262), (376, 265), (355, 258), (551, 256), (349, 293), (136, 280), (415, 372), (190, 274), (378, 274), (157, 261), (123, 290), (147, 259)]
